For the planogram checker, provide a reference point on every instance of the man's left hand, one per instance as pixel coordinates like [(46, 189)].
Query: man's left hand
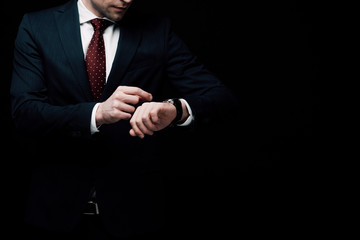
[(151, 117)]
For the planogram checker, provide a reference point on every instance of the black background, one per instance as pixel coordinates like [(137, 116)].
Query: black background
[(266, 52)]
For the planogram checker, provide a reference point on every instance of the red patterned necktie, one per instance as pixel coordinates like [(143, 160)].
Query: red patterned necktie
[(95, 58)]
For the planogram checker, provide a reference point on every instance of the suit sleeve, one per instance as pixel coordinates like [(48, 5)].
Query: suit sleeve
[(209, 99), (32, 111)]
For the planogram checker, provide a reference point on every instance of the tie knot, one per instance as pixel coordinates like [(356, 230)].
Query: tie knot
[(100, 24)]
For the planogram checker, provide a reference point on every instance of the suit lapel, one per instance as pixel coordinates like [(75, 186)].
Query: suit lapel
[(68, 24), (127, 45)]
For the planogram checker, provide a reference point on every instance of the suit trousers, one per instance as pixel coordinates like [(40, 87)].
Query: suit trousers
[(89, 228)]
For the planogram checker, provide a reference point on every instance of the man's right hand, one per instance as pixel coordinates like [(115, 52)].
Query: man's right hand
[(120, 105)]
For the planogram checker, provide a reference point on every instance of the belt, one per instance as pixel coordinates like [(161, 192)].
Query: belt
[(91, 208)]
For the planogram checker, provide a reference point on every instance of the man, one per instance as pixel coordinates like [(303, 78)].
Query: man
[(91, 95)]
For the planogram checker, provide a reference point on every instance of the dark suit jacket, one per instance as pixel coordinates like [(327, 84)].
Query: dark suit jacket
[(52, 103)]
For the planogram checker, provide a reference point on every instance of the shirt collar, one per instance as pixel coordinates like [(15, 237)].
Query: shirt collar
[(85, 15)]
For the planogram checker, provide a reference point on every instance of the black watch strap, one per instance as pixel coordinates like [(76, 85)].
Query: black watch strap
[(179, 111)]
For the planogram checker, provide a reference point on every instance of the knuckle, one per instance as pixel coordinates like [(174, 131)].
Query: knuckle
[(115, 104), (156, 120), (153, 113), (118, 94), (137, 98), (137, 90), (120, 88), (126, 116), (112, 114), (132, 121), (131, 109)]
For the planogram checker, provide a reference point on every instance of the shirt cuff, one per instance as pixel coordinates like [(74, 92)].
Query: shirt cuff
[(93, 128), (190, 118)]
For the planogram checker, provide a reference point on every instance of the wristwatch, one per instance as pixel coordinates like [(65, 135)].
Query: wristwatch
[(179, 112)]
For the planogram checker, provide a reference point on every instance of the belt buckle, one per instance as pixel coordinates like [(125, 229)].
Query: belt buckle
[(92, 208)]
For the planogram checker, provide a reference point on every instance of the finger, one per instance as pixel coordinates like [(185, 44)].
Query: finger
[(126, 98), (142, 117), (149, 111), (148, 125), (143, 95), (133, 122), (154, 118), (116, 116), (123, 107), (132, 133)]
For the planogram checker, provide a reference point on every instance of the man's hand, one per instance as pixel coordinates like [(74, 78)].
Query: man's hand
[(154, 116), (120, 105)]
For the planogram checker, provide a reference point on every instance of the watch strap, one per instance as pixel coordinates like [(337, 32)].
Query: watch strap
[(179, 111)]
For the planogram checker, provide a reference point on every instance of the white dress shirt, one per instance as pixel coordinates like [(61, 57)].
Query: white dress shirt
[(111, 38)]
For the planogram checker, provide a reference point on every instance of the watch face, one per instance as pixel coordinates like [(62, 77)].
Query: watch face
[(170, 101)]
